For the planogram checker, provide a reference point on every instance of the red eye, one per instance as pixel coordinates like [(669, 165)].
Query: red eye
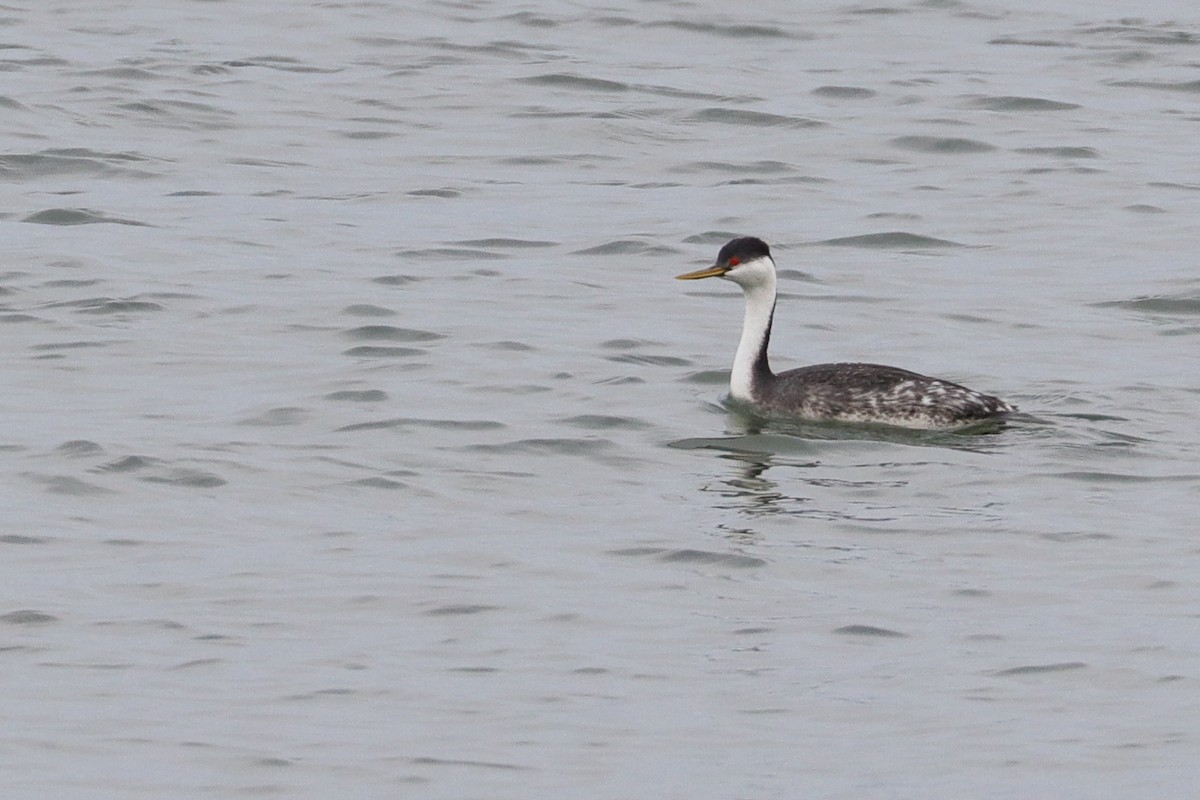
[(733, 262)]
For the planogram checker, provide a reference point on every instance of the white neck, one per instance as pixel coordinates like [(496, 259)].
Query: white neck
[(756, 327)]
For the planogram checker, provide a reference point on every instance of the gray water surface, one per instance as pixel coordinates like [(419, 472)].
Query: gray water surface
[(357, 442)]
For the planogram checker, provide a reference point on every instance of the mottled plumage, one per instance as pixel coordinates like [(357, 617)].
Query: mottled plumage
[(832, 392)]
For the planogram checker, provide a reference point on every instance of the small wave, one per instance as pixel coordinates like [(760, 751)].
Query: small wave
[(276, 417), (708, 377), (742, 168), (71, 161), (845, 92), (443, 192), (282, 63), (382, 351), (532, 20), (1188, 187), (1029, 42), (603, 422), (57, 346), (20, 538), (1094, 476), (510, 243), (102, 305), (77, 216), (405, 422), (1040, 669), (869, 630), (1061, 152), (951, 145), (390, 333), (65, 484), (27, 616), (123, 73), (626, 344), (507, 346), (622, 247), (1157, 304), (129, 464), (274, 163), (756, 443), (692, 556), (711, 237), (358, 396), (734, 116), (379, 482), (465, 762), (1168, 86), (76, 448), (368, 310), (180, 114), (562, 446), (890, 240), (460, 609), (655, 361), (562, 79), (455, 253), (368, 135), (1014, 103), (397, 280), (186, 477), (735, 31)]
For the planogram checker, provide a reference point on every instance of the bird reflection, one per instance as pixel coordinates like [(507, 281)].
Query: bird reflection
[(771, 467), (748, 487)]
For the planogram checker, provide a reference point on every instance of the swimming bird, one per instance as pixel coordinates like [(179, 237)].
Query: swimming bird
[(859, 393)]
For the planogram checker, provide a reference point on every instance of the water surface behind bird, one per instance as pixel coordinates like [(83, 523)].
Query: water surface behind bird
[(357, 440)]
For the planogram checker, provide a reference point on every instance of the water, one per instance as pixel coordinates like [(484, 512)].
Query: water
[(357, 441)]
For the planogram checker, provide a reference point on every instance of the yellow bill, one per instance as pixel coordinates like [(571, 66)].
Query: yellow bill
[(715, 271)]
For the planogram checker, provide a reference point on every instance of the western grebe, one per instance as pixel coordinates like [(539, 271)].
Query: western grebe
[(831, 392)]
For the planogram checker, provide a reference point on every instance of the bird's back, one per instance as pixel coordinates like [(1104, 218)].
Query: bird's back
[(876, 393)]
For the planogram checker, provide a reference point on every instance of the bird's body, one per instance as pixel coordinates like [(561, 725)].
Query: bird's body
[(859, 393)]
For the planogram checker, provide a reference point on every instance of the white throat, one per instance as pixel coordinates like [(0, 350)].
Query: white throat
[(759, 288)]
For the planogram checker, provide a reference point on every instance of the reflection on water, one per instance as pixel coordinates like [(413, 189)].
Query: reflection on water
[(851, 473)]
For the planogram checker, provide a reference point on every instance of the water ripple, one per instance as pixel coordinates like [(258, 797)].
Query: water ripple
[(77, 216), (1040, 669), (1011, 103), (359, 396), (845, 92), (557, 79), (367, 310), (391, 333), (404, 422), (693, 556), (71, 161), (1061, 152), (1173, 305), (726, 31), (734, 116), (942, 145), (869, 630), (186, 477), (890, 240), (381, 351), (27, 616), (620, 247)]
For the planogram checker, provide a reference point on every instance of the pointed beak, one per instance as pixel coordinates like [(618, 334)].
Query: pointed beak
[(715, 271)]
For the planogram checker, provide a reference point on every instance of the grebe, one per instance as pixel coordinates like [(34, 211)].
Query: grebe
[(831, 392)]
